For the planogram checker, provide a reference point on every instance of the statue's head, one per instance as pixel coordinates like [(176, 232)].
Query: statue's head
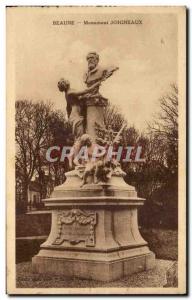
[(63, 85), (92, 59)]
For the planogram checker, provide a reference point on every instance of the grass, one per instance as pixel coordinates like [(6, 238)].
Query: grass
[(26, 249), (163, 242), (33, 225)]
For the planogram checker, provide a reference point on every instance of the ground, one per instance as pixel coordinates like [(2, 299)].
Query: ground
[(151, 278)]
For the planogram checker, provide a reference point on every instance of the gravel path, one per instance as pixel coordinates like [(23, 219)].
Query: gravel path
[(152, 278)]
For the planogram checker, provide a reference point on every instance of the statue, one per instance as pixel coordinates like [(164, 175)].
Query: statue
[(94, 212), (95, 73), (85, 111), (83, 141), (75, 105), (95, 102)]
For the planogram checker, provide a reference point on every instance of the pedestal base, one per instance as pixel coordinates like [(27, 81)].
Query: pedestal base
[(108, 270), (94, 232)]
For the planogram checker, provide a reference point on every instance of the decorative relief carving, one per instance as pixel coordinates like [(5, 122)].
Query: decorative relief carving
[(76, 226)]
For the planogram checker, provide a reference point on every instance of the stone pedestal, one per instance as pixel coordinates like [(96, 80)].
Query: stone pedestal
[(94, 231), (95, 113)]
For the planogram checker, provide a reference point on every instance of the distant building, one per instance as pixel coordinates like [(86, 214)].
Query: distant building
[(38, 189), (34, 195)]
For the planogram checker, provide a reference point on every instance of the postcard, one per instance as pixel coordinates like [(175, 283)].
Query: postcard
[(96, 150)]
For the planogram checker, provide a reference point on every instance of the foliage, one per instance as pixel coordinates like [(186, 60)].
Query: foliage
[(156, 179), (38, 127)]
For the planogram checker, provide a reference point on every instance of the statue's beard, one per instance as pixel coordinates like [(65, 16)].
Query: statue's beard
[(91, 66)]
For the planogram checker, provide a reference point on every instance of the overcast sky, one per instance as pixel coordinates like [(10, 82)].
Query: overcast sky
[(145, 54)]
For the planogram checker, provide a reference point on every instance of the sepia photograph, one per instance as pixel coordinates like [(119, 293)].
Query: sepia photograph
[(96, 150)]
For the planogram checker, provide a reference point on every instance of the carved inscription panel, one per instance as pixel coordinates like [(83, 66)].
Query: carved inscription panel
[(76, 226)]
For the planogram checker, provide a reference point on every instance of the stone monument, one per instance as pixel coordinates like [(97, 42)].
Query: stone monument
[(94, 232)]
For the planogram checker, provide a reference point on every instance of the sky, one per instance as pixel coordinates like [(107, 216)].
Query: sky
[(145, 54)]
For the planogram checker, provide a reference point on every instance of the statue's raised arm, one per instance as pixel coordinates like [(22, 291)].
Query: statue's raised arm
[(109, 72)]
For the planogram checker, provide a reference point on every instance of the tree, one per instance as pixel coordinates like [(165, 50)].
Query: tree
[(61, 135), (163, 159), (37, 128), (156, 179), (31, 136), (165, 128), (113, 117)]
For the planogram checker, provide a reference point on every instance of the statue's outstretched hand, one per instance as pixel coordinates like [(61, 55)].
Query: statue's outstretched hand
[(109, 72)]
